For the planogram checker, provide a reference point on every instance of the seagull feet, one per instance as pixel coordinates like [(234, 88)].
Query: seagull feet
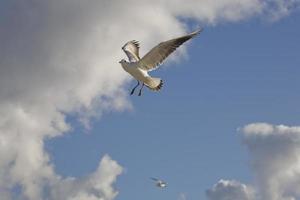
[(140, 93), (132, 91)]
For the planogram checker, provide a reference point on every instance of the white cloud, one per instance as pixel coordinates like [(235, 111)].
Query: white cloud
[(230, 190), (59, 57), (277, 9), (275, 159), (94, 187)]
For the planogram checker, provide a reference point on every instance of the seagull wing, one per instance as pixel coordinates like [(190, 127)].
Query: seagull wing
[(160, 52), (155, 179), (131, 49)]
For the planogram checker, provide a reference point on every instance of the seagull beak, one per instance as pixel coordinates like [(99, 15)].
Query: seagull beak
[(120, 61)]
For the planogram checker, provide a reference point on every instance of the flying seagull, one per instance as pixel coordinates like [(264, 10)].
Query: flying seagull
[(139, 67), (159, 183)]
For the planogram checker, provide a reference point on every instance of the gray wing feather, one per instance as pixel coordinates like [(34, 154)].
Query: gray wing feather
[(131, 49), (160, 52), (155, 179)]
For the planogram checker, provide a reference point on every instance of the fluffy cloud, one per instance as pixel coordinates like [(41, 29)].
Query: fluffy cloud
[(60, 57), (275, 156), (96, 186), (275, 159), (230, 190)]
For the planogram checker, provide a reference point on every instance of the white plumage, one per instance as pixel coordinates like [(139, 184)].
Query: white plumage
[(160, 183), (139, 67)]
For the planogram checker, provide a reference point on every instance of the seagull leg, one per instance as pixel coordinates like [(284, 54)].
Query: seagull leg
[(140, 93), (132, 91)]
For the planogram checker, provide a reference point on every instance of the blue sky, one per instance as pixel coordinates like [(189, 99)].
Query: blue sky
[(224, 126), (235, 74)]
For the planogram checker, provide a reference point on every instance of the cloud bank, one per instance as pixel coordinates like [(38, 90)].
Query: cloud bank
[(60, 57), (275, 159)]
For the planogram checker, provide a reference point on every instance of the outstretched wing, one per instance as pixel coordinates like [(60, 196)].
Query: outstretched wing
[(131, 49), (155, 179), (160, 52)]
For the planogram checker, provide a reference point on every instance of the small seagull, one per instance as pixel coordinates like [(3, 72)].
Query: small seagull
[(139, 67), (159, 183)]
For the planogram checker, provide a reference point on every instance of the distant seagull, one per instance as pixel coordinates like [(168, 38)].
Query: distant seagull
[(139, 68), (160, 183)]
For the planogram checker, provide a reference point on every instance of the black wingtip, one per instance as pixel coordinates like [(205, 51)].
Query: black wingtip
[(196, 32), (159, 86)]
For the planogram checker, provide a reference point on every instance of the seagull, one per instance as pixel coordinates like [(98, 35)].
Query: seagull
[(139, 67), (160, 183)]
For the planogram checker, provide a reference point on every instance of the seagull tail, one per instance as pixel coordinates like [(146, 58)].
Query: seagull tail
[(154, 83)]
